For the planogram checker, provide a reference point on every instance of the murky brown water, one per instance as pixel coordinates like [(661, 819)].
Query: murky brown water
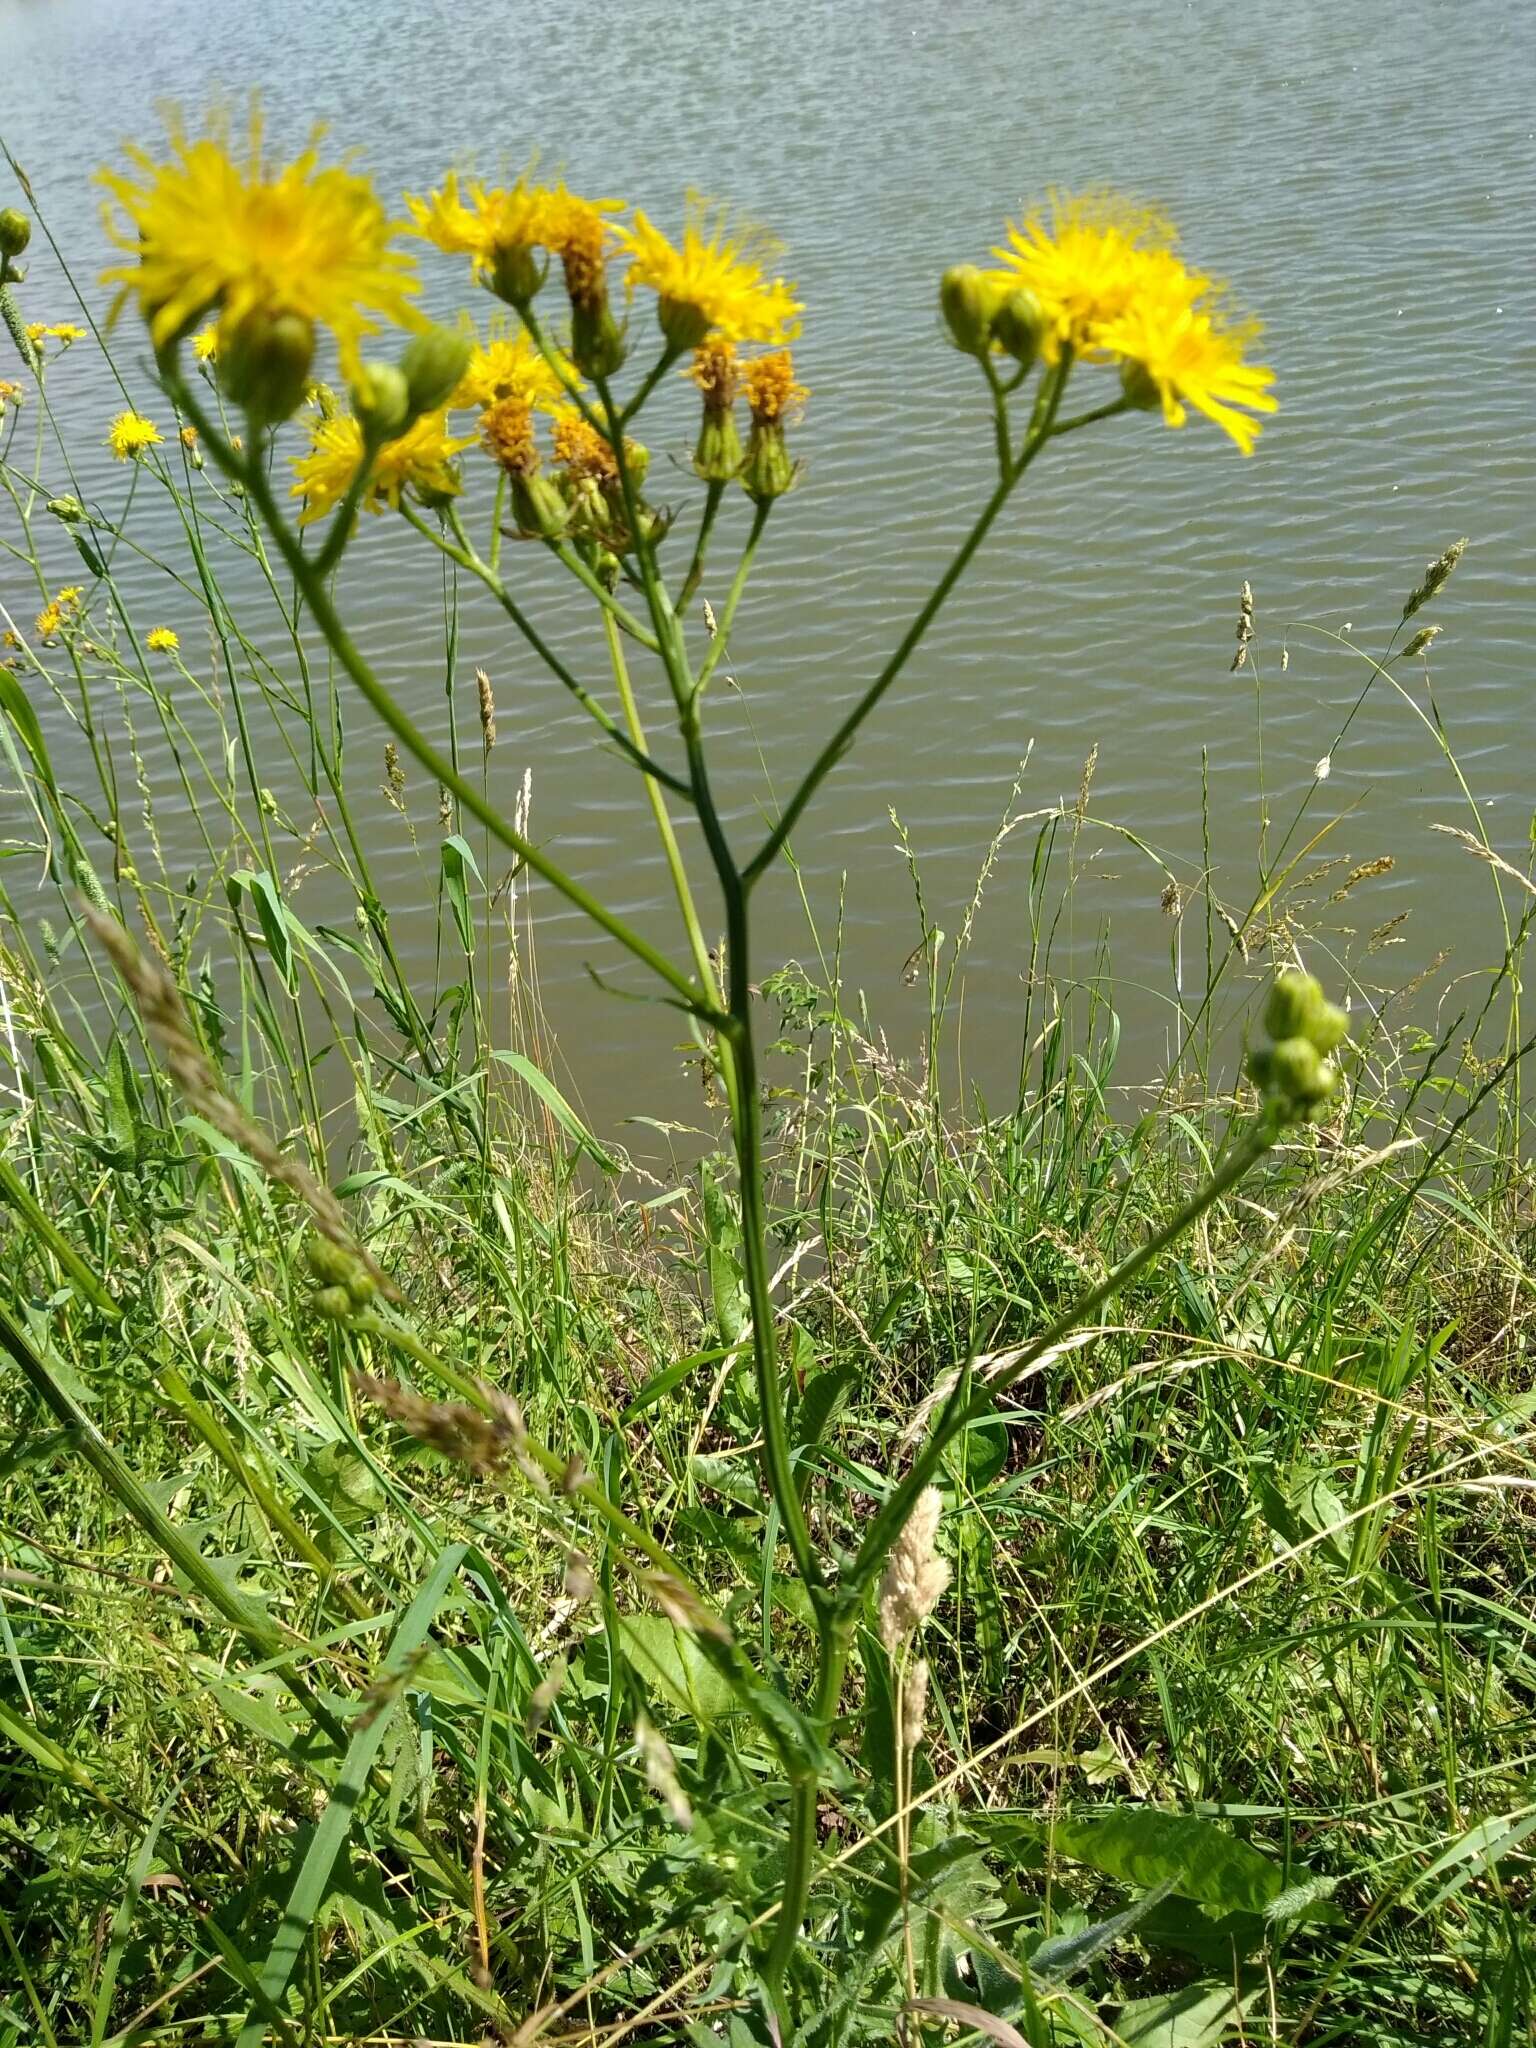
[(1366, 176)]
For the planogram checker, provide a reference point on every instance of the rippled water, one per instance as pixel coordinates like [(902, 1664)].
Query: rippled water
[(1367, 176)]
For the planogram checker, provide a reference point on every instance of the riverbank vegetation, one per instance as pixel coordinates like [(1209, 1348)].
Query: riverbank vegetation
[(917, 1568)]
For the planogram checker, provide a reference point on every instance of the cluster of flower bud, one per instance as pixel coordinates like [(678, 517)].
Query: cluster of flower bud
[(985, 313), (343, 1283), (1296, 1072), (389, 398)]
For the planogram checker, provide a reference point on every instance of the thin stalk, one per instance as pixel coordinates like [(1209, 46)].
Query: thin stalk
[(845, 734), (738, 584)]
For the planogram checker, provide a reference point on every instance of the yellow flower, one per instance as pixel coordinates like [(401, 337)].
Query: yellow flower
[(496, 225), (58, 612), (507, 365), (162, 640), (419, 459), (583, 451), (1089, 263), (772, 392), (69, 596), (49, 620), (206, 230), (715, 281), (36, 331), (1182, 355), (717, 373), (132, 434), (65, 332), (205, 343)]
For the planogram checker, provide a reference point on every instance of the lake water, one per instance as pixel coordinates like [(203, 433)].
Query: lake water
[(1367, 178)]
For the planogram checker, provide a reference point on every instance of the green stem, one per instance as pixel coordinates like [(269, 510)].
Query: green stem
[(845, 734), (738, 584), (695, 574)]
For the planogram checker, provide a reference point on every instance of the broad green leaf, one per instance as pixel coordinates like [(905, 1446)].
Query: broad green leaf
[(1191, 2018), (669, 1659), (458, 866), (1064, 1955), (1194, 1857)]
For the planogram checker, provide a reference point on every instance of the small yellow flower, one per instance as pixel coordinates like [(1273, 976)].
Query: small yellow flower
[(50, 621), (209, 229), (162, 640), (205, 344), (132, 434), (1087, 264), (717, 281), (581, 449), (507, 365), (772, 392), (10, 394), (420, 459), (189, 437), (717, 373), (64, 332), (1181, 355), (577, 231), (36, 331), (68, 597), (494, 225)]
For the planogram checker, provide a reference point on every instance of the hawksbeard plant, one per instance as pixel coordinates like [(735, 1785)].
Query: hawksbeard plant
[(267, 288)]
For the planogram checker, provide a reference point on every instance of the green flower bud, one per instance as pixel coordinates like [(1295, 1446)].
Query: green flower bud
[(597, 345), (332, 1302), (538, 507), (331, 1263), (1138, 386), (684, 324), (433, 364), (15, 231), (68, 509), (1291, 1002), (718, 454), (264, 365), (1297, 1071), (516, 273), (361, 1285), (1328, 1026), (768, 471), (1018, 326), (381, 398), (967, 299)]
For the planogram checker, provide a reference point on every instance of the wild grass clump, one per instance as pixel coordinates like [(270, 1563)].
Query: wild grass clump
[(1045, 1570)]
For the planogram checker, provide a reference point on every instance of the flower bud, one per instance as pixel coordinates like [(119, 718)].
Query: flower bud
[(1018, 325), (1140, 391), (264, 365), (15, 231), (1290, 1003), (515, 274), (717, 456), (683, 323), (329, 1262), (768, 471), (332, 1302), (67, 509), (433, 364), (381, 398), (967, 299), (538, 506), (597, 345)]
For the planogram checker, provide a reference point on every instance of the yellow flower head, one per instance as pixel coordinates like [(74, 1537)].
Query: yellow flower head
[(1088, 263), (1183, 355), (161, 640), (577, 231), (420, 459), (205, 344), (49, 622), (10, 394), (65, 332), (772, 392), (507, 365), (507, 430), (131, 434), (209, 230), (716, 372), (717, 281)]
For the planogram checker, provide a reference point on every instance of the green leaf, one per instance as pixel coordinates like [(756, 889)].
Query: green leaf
[(671, 1662), (1145, 1846), (727, 1281), (458, 865), (17, 706), (1198, 2014), (312, 1879), (559, 1109), (1064, 1955), (272, 915)]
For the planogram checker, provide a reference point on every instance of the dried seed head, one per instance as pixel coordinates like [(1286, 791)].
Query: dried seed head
[(1244, 628), (682, 1605), (452, 1428), (915, 1576), (1435, 576), (394, 776), (914, 1705), (1421, 642), (487, 709), (444, 804), (661, 1771), (544, 1694)]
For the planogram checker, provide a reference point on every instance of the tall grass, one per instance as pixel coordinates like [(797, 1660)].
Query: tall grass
[(361, 1667)]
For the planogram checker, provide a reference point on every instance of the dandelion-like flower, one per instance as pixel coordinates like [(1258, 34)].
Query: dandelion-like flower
[(205, 344), (582, 450), (507, 365), (507, 431), (772, 391), (716, 280), (579, 233), (162, 640), (59, 612), (1181, 355), (717, 455), (420, 459), (65, 332), (211, 229), (915, 1576), (499, 227), (130, 434)]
